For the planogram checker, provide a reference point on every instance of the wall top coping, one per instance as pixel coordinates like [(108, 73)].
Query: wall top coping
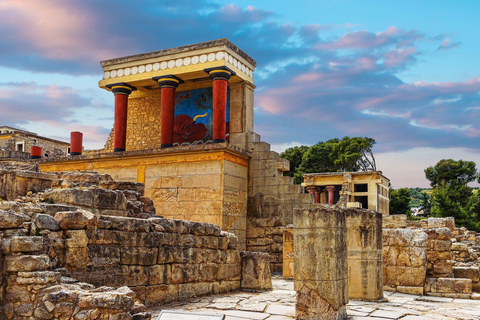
[(152, 152)]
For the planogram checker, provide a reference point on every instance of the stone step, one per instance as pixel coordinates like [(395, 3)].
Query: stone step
[(467, 272)]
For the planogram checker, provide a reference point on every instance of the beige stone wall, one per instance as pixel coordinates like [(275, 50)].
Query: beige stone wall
[(197, 183), (288, 261), (271, 199), (266, 235), (364, 246), (404, 260), (207, 191), (160, 259), (439, 253)]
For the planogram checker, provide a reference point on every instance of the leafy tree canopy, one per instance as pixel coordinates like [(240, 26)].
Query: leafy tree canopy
[(400, 201), (451, 172), (335, 155)]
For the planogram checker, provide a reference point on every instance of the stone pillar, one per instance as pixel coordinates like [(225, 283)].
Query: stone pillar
[(320, 254), (365, 254), (169, 84), (220, 76), (35, 152), (331, 190), (76, 141), (121, 91)]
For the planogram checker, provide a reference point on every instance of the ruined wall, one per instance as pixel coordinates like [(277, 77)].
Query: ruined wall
[(18, 183), (49, 247), (206, 183), (404, 260), (271, 200)]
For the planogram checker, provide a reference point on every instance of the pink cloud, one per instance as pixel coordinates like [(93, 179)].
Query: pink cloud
[(448, 44), (56, 29), (368, 40)]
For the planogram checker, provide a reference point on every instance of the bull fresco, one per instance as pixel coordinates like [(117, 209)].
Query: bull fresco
[(193, 117)]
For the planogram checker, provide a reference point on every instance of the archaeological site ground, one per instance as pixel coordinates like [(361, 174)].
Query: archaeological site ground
[(186, 209)]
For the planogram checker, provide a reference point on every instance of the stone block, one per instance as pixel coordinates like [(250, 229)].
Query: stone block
[(26, 244), (467, 272), (101, 255), (144, 256), (452, 285), (411, 290), (9, 220), (71, 220), (76, 239), (255, 271), (46, 222), (27, 263), (76, 258)]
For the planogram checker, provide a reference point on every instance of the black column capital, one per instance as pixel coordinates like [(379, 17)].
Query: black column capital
[(168, 81), (121, 88), (222, 73)]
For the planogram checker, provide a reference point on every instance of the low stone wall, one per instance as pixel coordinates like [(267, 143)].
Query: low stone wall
[(395, 221), (439, 254), (266, 235), (19, 183), (404, 260), (57, 246)]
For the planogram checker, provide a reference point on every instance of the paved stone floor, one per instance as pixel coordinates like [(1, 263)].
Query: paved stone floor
[(279, 304)]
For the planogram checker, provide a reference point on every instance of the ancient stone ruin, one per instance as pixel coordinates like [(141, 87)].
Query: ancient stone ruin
[(88, 247)]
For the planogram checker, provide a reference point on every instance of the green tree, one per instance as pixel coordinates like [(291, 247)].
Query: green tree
[(294, 155), (426, 204), (451, 172), (451, 197), (348, 154), (400, 201)]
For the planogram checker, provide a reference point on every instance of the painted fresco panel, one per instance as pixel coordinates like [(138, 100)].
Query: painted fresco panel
[(193, 117)]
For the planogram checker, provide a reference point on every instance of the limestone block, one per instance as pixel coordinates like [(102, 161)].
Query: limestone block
[(76, 258), (26, 244), (255, 271), (77, 238), (467, 272), (160, 294), (124, 223), (9, 220), (458, 246), (79, 219), (100, 255), (395, 221), (138, 255), (122, 185), (45, 221), (312, 306), (411, 290), (27, 263), (452, 285)]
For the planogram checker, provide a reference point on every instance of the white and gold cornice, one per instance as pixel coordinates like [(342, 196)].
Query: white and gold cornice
[(187, 65)]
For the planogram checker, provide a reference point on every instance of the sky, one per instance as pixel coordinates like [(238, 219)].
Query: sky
[(405, 73)]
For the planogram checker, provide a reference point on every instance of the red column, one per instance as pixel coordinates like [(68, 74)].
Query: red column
[(168, 84), (220, 76), (330, 190), (121, 91), (35, 152), (317, 196), (76, 141)]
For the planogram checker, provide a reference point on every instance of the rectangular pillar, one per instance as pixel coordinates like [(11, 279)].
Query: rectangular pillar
[(320, 254), (365, 254)]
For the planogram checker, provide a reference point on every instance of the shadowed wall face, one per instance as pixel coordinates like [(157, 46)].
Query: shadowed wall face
[(320, 253)]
